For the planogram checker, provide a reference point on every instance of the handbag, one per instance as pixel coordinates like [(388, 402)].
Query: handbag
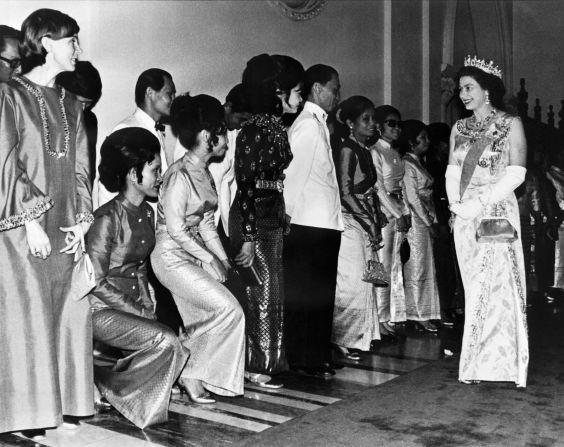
[(375, 273), (249, 276), (495, 229), (83, 278), (404, 251)]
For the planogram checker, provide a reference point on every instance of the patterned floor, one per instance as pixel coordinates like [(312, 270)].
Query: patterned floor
[(234, 419)]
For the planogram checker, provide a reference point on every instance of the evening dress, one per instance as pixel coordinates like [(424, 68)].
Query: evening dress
[(355, 316), (186, 243), (258, 214), (495, 344), (138, 385), (46, 348)]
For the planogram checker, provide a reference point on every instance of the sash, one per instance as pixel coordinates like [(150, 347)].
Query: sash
[(471, 161)]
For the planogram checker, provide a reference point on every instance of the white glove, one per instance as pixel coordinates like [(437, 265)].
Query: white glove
[(514, 176), (452, 183), (468, 209)]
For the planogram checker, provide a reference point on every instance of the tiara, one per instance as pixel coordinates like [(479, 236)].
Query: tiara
[(481, 64)]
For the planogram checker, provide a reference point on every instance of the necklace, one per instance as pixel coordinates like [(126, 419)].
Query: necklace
[(476, 128), (43, 114), (362, 145)]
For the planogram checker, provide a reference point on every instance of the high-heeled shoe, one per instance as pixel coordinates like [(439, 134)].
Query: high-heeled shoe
[(204, 398), (70, 422), (348, 353)]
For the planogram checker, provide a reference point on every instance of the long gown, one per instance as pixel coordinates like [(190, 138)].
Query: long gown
[(420, 279), (46, 337), (187, 241), (258, 213), (355, 315), (123, 314), (495, 344), (390, 171)]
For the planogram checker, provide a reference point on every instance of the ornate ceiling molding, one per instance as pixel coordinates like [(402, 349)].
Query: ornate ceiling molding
[(298, 10)]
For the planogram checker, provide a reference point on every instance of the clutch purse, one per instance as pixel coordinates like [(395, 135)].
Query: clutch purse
[(495, 229), (375, 273), (404, 251), (83, 278), (249, 276)]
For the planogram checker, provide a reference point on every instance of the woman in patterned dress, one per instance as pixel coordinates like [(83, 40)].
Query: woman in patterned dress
[(123, 313), (355, 316), (486, 164), (257, 216), (45, 211)]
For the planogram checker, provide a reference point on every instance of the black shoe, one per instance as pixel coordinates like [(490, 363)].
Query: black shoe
[(320, 373), (35, 435)]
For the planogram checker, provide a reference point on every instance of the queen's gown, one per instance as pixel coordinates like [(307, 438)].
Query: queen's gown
[(420, 279), (355, 316), (495, 345), (45, 336), (138, 385), (187, 242)]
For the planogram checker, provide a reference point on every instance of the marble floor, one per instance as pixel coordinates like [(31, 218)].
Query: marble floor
[(232, 420)]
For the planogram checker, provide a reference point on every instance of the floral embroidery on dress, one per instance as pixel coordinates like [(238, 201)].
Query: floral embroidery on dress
[(262, 153)]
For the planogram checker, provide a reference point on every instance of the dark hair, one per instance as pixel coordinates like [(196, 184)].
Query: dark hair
[(317, 73), (260, 84), (352, 108), (189, 115), (487, 81), (236, 97), (291, 74), (124, 150), (7, 32), (410, 130), (382, 112), (349, 109), (83, 81), (154, 78), (43, 23)]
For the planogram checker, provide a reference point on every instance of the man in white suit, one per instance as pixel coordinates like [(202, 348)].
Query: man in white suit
[(312, 247), (154, 93)]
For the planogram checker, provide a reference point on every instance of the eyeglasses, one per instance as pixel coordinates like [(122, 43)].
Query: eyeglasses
[(13, 63), (393, 123)]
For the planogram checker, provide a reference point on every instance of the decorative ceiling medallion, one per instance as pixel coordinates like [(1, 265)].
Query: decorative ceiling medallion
[(298, 10)]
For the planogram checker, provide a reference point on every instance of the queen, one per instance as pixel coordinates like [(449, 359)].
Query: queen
[(486, 163)]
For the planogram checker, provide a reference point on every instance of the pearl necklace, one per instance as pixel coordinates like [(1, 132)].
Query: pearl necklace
[(44, 123)]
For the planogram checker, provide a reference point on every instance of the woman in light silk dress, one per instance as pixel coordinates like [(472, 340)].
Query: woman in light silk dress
[(355, 316), (45, 210), (486, 164), (390, 171), (189, 259), (420, 280), (123, 313)]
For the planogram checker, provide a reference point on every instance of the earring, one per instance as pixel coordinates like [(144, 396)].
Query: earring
[(487, 98)]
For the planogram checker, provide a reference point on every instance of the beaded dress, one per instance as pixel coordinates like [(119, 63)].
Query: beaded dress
[(46, 336), (258, 213), (495, 344)]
